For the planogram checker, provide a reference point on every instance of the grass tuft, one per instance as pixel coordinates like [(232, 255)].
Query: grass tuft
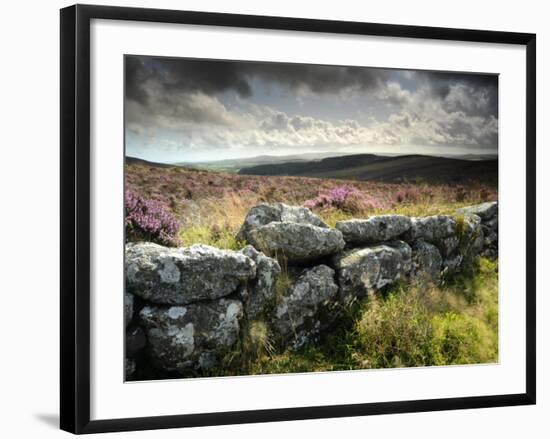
[(410, 325), (213, 236)]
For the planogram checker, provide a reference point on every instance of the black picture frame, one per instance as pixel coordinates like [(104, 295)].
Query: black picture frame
[(75, 217)]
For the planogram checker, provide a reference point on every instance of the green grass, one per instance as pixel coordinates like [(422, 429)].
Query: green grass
[(452, 324), (214, 236), (455, 323)]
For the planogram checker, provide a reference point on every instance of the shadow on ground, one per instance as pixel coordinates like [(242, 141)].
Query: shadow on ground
[(49, 419)]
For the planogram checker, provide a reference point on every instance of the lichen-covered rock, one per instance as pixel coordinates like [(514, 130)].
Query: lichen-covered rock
[(266, 213), (472, 236), (364, 270), (374, 229), (485, 211), (186, 338), (296, 242), (426, 262), (305, 308), (128, 308), (488, 214), (432, 229), (452, 265), (261, 289), (440, 230), (490, 244), (448, 245), (135, 340), (184, 275)]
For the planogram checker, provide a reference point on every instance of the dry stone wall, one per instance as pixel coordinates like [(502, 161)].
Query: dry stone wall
[(186, 308)]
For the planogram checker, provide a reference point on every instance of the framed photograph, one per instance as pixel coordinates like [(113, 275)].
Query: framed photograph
[(268, 219)]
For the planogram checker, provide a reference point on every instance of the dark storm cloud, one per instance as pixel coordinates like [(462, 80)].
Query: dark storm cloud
[(136, 75), (184, 75), (212, 77), (482, 85), (475, 94), (318, 78)]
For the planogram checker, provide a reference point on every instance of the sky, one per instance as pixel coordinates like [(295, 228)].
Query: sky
[(193, 110)]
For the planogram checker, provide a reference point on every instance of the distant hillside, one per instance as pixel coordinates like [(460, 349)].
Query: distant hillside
[(475, 157), (234, 165), (383, 168), (136, 161)]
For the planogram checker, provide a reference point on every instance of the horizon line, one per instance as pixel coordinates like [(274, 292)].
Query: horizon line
[(381, 154)]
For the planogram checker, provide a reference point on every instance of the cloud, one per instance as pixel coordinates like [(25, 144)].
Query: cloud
[(212, 77), (180, 111), (317, 79), (471, 100), (273, 131), (189, 75), (182, 105), (440, 85), (463, 117), (392, 93)]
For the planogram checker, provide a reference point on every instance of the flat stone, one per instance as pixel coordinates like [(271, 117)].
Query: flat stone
[(266, 213), (432, 229), (181, 276), (374, 229), (296, 242), (485, 211)]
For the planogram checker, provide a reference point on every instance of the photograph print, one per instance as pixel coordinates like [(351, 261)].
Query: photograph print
[(297, 218)]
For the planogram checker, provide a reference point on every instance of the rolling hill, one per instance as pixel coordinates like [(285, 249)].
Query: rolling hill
[(359, 167), (234, 165), (383, 168), (137, 161)]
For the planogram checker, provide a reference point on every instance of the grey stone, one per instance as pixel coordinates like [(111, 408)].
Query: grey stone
[(364, 270), (440, 230), (128, 308), (296, 242), (472, 238), (490, 243), (432, 229), (470, 235), (485, 211), (452, 265), (487, 240), (470, 242), (305, 308), (186, 338), (374, 229), (481, 230), (184, 275), (426, 262), (265, 213), (261, 289), (129, 368), (491, 239), (448, 245), (491, 224)]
